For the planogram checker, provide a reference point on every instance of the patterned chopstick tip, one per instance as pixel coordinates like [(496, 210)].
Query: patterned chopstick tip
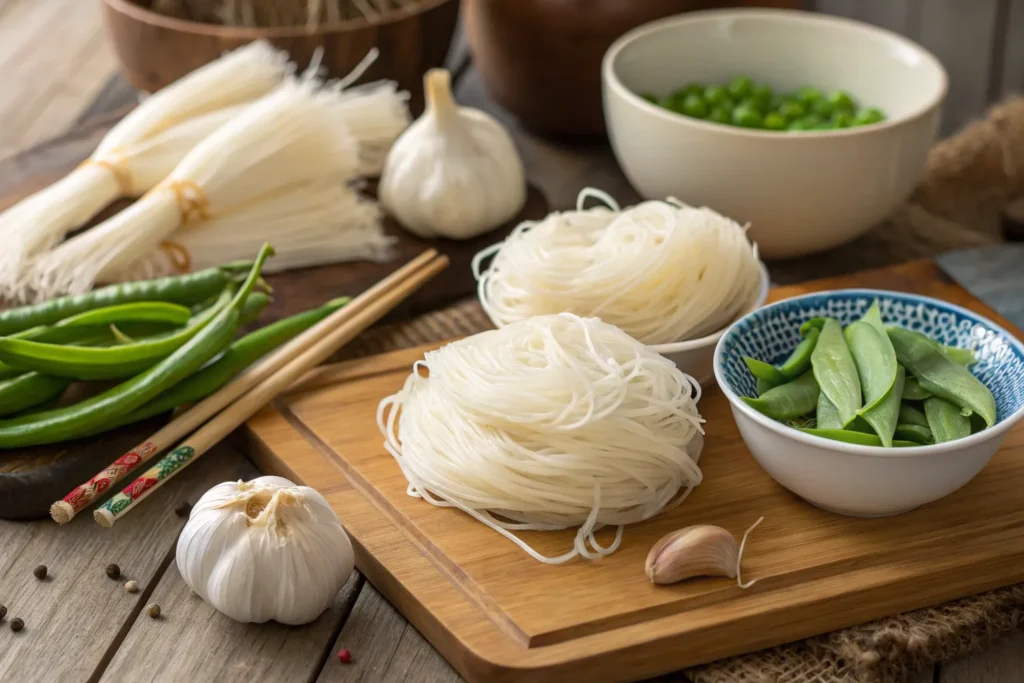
[(63, 511), (151, 479)]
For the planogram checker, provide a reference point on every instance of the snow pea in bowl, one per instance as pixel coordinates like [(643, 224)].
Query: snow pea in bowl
[(938, 432)]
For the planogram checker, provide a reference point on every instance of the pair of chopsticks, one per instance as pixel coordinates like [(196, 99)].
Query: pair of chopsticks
[(220, 413)]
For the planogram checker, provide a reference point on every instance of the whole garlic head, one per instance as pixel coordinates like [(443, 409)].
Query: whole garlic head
[(454, 172), (265, 549)]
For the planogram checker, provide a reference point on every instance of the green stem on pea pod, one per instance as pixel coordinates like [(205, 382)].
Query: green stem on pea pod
[(28, 391), (827, 414), (913, 391), (235, 358), (945, 420), (915, 433), (800, 360), (859, 438), (911, 415), (767, 375), (941, 376), (188, 289), (785, 402), (62, 424), (111, 362), (836, 371)]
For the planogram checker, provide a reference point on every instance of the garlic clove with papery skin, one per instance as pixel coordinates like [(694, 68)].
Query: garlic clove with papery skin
[(265, 549), (454, 172), (701, 550)]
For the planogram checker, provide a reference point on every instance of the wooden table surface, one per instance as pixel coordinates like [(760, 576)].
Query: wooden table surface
[(83, 626)]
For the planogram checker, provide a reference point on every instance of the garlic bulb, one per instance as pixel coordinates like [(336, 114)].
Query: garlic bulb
[(454, 172), (265, 549)]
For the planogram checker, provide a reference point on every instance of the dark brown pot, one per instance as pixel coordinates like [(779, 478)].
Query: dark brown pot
[(155, 50), (541, 59)]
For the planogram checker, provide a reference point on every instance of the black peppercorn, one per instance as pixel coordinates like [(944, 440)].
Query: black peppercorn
[(17, 624), (3, 612), (183, 508), (40, 572), (113, 571)]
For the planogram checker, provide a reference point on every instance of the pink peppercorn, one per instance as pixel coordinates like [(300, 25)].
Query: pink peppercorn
[(344, 656)]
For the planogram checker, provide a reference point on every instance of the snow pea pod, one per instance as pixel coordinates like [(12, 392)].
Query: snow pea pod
[(111, 362), (913, 391), (941, 376), (812, 324), (62, 424), (945, 420), (827, 416), (959, 356), (800, 360), (795, 399), (835, 370), (875, 359), (911, 415), (764, 371), (763, 386), (188, 289), (915, 433), (859, 438)]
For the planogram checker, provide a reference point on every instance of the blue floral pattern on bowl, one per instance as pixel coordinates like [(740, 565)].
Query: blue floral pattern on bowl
[(772, 332)]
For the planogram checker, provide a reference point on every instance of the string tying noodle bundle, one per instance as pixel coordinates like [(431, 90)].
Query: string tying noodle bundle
[(661, 271), (549, 423)]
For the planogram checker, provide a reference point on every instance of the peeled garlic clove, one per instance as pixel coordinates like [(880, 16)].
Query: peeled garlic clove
[(702, 550)]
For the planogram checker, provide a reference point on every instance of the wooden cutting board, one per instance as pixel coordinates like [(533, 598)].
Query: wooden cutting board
[(498, 615)]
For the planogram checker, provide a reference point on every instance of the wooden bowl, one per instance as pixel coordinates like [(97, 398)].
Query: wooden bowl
[(155, 49), (541, 59)]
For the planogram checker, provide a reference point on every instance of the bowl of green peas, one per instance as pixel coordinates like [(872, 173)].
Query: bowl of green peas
[(870, 402), (808, 127)]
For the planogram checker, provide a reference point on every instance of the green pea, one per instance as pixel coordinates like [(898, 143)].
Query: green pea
[(695, 106), (667, 102), (650, 97), (808, 95), (788, 401), (835, 370), (913, 391), (762, 96), (741, 87), (810, 122), (694, 89), (800, 360), (842, 119), (945, 420), (911, 415), (792, 110), (865, 117), (719, 115), (776, 102), (842, 101), (746, 117), (822, 108), (774, 121), (717, 95)]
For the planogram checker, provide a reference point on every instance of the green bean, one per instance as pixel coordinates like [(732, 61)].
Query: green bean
[(29, 390), (62, 424), (859, 438), (764, 371), (236, 358), (916, 433), (145, 311), (911, 415), (941, 376), (945, 420), (835, 370), (785, 402), (812, 324), (180, 289), (800, 360), (131, 333), (913, 391), (827, 416), (112, 362)]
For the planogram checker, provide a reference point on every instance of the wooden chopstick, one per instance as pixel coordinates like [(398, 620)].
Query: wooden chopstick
[(64, 510)]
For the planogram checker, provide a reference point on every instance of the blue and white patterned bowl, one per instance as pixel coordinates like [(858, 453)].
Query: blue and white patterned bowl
[(863, 480)]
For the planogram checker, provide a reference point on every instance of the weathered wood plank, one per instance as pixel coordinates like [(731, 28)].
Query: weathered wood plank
[(385, 648), (1003, 663), (207, 646), (74, 616)]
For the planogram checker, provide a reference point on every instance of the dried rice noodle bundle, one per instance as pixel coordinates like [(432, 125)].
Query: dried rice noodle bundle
[(550, 423), (662, 271), (285, 140), (137, 153)]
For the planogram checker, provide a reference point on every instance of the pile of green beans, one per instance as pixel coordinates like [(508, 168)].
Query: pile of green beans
[(171, 341), (873, 385), (747, 104)]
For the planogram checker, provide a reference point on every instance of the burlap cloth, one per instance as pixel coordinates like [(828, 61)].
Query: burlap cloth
[(970, 180)]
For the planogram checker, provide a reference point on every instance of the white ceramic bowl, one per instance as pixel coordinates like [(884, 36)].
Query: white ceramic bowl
[(696, 357), (802, 192), (858, 480)]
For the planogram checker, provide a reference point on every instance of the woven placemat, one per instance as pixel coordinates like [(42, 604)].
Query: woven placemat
[(970, 180)]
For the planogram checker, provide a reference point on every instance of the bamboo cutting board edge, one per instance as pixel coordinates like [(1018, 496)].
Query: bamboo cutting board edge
[(484, 644)]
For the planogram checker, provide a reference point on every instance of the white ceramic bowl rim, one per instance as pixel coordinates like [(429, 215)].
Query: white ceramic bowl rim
[(856, 449), (691, 344), (638, 33)]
